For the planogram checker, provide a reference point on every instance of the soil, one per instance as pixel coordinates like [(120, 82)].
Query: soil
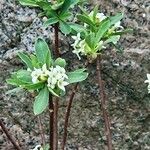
[(123, 73)]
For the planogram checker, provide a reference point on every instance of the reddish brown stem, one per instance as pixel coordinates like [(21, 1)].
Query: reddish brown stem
[(12, 140), (56, 104), (51, 114), (68, 114), (56, 30), (41, 130), (68, 110), (103, 105), (55, 128)]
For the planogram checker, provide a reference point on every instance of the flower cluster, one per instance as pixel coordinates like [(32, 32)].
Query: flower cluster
[(148, 81), (55, 76), (81, 47), (78, 45)]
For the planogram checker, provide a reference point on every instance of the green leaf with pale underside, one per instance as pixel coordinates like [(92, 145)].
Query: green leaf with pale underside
[(41, 101)]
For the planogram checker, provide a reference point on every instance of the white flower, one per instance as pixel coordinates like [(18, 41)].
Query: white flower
[(101, 45), (62, 84), (44, 69), (40, 74), (117, 25), (79, 46), (35, 75), (148, 81), (99, 16), (57, 78), (28, 69), (77, 40)]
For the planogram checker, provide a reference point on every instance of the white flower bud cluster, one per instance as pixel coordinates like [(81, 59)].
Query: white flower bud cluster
[(55, 76), (148, 81)]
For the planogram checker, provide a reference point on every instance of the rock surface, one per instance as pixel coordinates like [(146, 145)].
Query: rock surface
[(124, 75)]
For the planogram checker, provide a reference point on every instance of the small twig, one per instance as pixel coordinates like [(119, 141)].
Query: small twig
[(102, 103), (68, 110), (41, 130), (51, 113), (9, 136)]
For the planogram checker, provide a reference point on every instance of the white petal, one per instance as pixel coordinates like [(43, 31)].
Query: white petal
[(28, 69), (35, 80), (101, 16), (62, 84), (77, 53), (44, 68), (117, 25), (148, 77)]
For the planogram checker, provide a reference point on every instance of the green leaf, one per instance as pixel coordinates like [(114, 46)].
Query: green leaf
[(42, 51), (83, 11), (41, 101), (35, 86), (57, 5), (53, 92), (15, 90), (122, 32), (113, 39), (77, 76), (26, 60), (34, 61), (87, 20), (50, 21), (28, 3), (42, 4), (65, 16), (14, 82), (95, 11), (90, 40), (77, 27), (20, 78), (116, 18), (67, 4), (24, 76), (49, 12), (48, 60), (61, 62), (64, 27), (102, 30)]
